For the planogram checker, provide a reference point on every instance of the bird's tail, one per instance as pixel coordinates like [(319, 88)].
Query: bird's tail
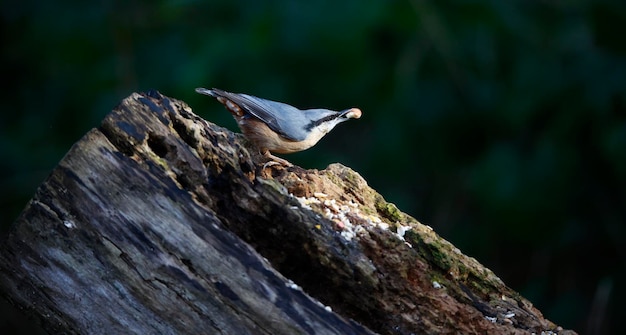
[(211, 92)]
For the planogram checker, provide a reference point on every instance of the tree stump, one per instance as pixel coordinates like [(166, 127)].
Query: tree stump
[(159, 222)]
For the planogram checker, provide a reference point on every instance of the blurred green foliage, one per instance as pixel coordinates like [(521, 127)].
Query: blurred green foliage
[(502, 124)]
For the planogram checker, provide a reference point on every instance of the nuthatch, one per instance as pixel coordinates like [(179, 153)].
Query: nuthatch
[(277, 127)]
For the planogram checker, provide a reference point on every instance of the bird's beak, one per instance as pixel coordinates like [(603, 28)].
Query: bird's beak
[(352, 113)]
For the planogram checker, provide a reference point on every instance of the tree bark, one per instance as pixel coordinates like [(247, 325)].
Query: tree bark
[(159, 222)]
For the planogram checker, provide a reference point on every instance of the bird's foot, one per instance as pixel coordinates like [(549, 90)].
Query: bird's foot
[(275, 161)]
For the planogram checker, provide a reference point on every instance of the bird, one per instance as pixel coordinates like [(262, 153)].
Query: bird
[(276, 127)]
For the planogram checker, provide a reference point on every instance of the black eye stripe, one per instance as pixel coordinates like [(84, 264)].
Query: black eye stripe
[(316, 123)]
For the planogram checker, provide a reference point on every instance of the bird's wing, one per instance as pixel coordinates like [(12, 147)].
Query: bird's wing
[(284, 119)]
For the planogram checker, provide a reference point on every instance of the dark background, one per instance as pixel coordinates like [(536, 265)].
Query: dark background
[(501, 124)]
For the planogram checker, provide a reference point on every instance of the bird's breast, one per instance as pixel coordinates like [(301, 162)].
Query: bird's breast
[(264, 138)]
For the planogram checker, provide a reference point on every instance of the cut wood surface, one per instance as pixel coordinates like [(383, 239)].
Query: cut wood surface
[(159, 222)]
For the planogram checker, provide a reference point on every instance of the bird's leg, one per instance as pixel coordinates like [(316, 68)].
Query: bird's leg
[(274, 160)]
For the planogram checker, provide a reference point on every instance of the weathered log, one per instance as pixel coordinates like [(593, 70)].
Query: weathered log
[(159, 222)]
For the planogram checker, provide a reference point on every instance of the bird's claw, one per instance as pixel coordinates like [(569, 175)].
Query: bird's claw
[(275, 161)]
